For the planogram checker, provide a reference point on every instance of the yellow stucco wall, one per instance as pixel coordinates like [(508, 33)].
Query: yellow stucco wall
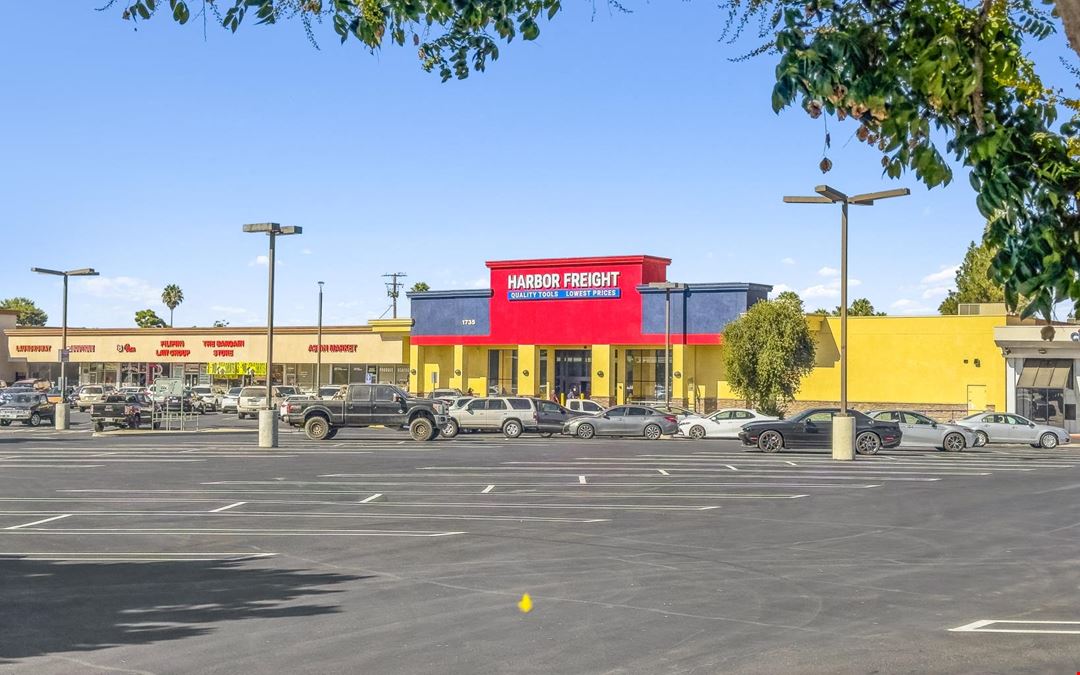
[(926, 359)]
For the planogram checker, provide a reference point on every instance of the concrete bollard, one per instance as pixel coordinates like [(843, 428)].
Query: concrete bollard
[(62, 419), (268, 428), (843, 438)]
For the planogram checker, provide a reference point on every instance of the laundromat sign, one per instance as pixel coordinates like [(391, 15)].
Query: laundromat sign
[(564, 286)]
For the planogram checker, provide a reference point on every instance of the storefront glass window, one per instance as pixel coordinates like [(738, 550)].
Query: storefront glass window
[(339, 374), (305, 376), (1045, 391), (644, 374), (502, 372)]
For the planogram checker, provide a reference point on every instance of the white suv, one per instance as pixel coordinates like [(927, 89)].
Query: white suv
[(253, 399)]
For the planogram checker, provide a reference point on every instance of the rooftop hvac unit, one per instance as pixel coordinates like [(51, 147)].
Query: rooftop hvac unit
[(981, 308)]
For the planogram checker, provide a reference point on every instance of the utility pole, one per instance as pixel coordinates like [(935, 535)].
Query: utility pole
[(392, 287)]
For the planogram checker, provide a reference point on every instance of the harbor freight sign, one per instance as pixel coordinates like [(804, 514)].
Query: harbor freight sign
[(565, 286)]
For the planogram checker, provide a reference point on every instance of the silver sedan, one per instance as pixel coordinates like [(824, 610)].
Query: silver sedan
[(995, 427), (919, 431), (624, 420)]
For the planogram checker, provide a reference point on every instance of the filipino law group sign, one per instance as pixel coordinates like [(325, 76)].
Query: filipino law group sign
[(565, 286)]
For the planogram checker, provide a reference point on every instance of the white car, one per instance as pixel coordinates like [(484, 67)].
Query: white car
[(724, 423), (584, 406), (230, 400), (211, 399), (995, 427)]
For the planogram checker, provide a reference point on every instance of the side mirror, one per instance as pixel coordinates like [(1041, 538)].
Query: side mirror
[(1032, 425)]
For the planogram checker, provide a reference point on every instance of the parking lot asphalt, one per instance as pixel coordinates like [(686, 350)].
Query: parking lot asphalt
[(371, 553)]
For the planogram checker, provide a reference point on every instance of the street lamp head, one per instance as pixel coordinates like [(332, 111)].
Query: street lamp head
[(831, 193), (291, 229), (666, 285), (262, 227), (869, 198), (83, 272), (320, 283)]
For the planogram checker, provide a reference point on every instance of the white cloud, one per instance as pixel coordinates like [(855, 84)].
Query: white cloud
[(226, 309), (788, 261), (830, 289), (828, 272), (305, 251), (260, 260), (777, 289), (936, 292), (908, 306), (821, 291), (119, 288), (946, 273)]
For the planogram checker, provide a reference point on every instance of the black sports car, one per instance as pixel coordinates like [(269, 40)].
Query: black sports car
[(813, 429)]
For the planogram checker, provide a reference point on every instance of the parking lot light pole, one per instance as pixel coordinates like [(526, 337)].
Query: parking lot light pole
[(843, 427), (667, 287), (268, 437), (318, 352), (60, 417)]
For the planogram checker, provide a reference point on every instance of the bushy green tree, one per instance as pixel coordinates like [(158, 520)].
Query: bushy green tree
[(767, 352), (420, 287), (859, 307), (29, 313), (148, 318), (973, 282)]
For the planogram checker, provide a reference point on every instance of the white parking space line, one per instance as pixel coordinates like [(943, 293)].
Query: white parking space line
[(981, 627), (324, 515), (371, 498), (487, 489), (50, 466), (642, 473), (38, 522), (663, 473), (581, 479), (731, 467), (224, 532), (226, 508), (148, 556)]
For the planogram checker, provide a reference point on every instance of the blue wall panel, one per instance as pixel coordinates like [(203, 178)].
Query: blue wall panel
[(451, 313), (702, 309)]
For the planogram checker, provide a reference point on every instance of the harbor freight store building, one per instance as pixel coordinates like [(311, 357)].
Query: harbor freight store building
[(376, 352), (592, 327)]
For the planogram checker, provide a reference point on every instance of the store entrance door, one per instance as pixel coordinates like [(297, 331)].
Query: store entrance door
[(573, 372)]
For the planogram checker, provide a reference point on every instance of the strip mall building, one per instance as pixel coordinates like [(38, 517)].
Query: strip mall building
[(595, 327)]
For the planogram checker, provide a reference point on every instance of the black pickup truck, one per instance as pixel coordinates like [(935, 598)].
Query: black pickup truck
[(127, 412), (365, 405)]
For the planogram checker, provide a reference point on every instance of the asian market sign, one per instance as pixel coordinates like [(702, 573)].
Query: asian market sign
[(565, 286)]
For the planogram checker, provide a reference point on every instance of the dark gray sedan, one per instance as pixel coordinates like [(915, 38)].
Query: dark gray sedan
[(624, 420)]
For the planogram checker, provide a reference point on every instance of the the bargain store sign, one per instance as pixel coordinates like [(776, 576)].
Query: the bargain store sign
[(564, 286)]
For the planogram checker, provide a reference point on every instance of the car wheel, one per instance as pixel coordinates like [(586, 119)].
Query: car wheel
[(867, 443), (652, 432), (98, 426), (1048, 441), (953, 442), (511, 428), (451, 429), (5, 423), (35, 419), (586, 431), (136, 422), (697, 432), (546, 434), (770, 441), (317, 428), (981, 438), (330, 434), (421, 429)]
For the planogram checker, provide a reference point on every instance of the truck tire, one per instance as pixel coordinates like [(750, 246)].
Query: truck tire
[(98, 426), (5, 423), (317, 428), (511, 428), (330, 434), (422, 429), (450, 429), (35, 419)]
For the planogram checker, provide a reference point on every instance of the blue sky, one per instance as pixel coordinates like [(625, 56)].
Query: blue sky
[(141, 153)]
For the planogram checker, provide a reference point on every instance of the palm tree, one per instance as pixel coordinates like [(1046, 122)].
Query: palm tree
[(172, 296)]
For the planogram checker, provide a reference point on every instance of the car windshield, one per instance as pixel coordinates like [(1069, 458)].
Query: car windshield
[(21, 399), (253, 391), (235, 391)]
